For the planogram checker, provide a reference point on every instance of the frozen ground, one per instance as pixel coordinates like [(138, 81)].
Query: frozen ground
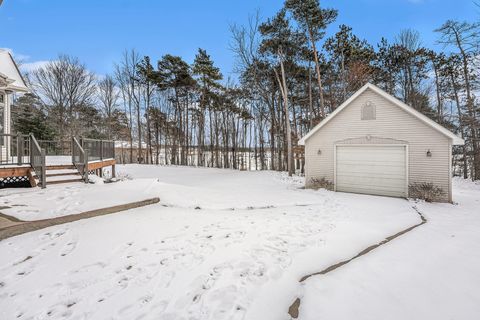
[(221, 244)]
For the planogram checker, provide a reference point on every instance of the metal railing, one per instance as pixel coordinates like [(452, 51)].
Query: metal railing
[(37, 160), (80, 158), (14, 149), (56, 147), (98, 149)]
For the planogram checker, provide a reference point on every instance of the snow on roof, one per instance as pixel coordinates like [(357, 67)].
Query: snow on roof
[(455, 139), (9, 70)]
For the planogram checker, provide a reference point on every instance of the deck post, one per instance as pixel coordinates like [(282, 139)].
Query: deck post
[(113, 171), (19, 149), (85, 166), (72, 142), (43, 169), (30, 143), (101, 150)]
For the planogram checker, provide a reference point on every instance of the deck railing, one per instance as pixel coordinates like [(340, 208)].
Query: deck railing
[(14, 149), (98, 149), (37, 160), (25, 150), (56, 147), (80, 158)]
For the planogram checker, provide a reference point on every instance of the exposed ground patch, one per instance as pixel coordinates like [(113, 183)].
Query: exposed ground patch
[(11, 226)]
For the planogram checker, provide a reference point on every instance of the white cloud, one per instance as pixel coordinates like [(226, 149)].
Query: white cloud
[(18, 56), (24, 63), (32, 66)]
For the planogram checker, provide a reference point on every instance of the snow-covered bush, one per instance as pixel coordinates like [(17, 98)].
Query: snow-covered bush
[(425, 191), (121, 176), (94, 179), (320, 183)]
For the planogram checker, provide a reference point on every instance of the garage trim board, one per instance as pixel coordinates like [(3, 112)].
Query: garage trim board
[(380, 190)]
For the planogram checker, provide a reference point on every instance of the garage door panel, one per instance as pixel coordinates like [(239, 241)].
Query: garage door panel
[(371, 168), (378, 161), (371, 191), (366, 180), (398, 184), (379, 170)]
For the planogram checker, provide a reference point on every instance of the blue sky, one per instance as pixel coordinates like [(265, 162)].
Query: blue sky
[(98, 31)]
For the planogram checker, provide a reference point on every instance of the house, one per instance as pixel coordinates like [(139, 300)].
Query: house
[(11, 82), (375, 144)]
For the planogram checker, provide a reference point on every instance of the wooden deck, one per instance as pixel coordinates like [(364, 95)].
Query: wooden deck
[(17, 174), (62, 161)]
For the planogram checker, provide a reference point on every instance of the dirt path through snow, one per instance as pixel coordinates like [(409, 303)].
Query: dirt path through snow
[(293, 310), (10, 226)]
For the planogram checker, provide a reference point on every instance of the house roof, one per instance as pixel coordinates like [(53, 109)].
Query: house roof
[(9, 71), (455, 139)]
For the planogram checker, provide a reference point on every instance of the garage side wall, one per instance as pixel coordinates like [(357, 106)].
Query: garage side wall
[(391, 123)]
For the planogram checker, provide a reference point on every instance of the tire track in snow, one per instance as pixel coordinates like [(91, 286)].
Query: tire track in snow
[(293, 310)]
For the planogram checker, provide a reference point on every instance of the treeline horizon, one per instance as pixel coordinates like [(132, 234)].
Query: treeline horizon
[(290, 77)]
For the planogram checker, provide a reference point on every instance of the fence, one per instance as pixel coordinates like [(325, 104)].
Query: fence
[(14, 149)]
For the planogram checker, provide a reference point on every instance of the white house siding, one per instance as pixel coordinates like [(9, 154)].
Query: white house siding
[(392, 125), (6, 124)]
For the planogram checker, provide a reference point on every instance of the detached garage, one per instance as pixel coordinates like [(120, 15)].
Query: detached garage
[(375, 144)]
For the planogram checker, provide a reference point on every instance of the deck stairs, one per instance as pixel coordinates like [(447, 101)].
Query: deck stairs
[(65, 173)]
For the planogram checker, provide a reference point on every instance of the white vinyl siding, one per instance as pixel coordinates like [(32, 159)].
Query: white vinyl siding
[(372, 169), (391, 122)]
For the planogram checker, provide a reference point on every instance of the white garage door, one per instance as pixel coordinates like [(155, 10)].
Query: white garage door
[(378, 170)]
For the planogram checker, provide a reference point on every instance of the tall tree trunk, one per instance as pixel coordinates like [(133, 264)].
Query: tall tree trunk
[(437, 89), (471, 110), (460, 124), (319, 76), (284, 90), (310, 98)]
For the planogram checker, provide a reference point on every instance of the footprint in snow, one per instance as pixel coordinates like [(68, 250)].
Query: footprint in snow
[(22, 261), (69, 247)]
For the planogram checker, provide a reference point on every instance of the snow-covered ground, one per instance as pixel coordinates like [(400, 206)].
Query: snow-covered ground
[(59, 200), (221, 244), (432, 272)]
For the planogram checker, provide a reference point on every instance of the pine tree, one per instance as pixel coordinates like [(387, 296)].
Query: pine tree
[(465, 36), (284, 46), (207, 76), (314, 20), (28, 116), (146, 77)]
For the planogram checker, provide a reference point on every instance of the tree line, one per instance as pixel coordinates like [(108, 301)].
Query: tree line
[(291, 74)]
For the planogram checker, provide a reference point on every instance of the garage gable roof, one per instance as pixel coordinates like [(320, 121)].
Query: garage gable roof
[(455, 139)]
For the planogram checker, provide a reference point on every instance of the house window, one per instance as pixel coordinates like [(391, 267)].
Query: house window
[(2, 98), (368, 111)]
